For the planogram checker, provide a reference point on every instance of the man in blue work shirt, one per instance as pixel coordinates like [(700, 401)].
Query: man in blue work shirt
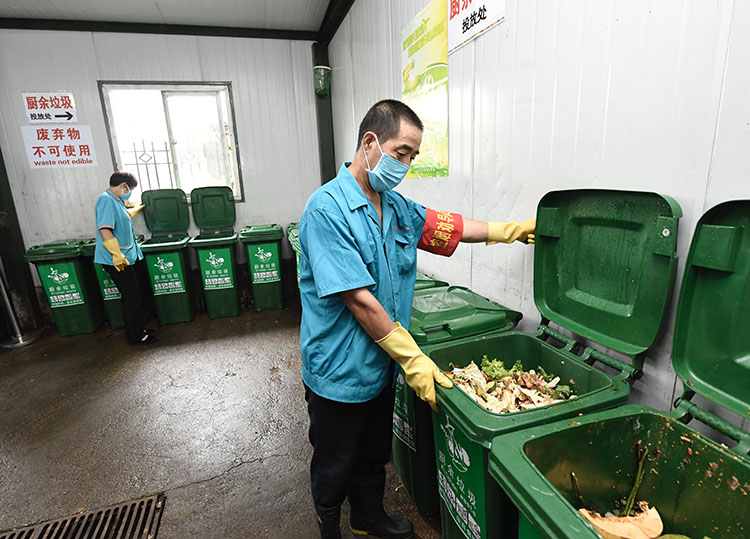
[(359, 242), (119, 253)]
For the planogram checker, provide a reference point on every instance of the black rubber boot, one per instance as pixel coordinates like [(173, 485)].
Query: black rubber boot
[(367, 513), (329, 521)]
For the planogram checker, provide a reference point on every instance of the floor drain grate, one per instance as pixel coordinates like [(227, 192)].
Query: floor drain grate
[(138, 519)]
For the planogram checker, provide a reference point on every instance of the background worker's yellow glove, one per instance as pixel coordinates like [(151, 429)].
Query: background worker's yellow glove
[(421, 372), (510, 232), (135, 210), (118, 259)]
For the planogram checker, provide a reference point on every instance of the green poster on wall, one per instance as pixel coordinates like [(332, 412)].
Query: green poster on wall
[(424, 75), (165, 271), (216, 268), (264, 262), (60, 282)]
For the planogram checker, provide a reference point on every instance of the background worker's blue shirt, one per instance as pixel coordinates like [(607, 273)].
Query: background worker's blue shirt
[(343, 248), (111, 213)]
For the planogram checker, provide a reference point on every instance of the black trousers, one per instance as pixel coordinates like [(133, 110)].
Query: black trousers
[(130, 283), (350, 440)]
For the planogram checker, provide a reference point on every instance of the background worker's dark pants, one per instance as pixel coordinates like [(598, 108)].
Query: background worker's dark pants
[(349, 440), (130, 283)]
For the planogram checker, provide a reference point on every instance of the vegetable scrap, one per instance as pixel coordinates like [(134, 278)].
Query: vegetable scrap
[(500, 390)]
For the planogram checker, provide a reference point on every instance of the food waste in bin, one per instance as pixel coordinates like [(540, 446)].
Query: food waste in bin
[(500, 390)]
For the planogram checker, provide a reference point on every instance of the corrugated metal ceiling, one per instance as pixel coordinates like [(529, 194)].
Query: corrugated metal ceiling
[(306, 15)]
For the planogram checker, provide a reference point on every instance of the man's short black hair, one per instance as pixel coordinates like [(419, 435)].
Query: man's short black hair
[(121, 176), (384, 119)]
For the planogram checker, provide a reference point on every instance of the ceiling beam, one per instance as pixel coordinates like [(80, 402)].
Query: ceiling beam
[(148, 28), (335, 14)]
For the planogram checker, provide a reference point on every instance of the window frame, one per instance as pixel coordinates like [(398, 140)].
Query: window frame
[(169, 86)]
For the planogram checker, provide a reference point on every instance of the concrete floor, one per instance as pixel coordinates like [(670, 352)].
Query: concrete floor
[(213, 414)]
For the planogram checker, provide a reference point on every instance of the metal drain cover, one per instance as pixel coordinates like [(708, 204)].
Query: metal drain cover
[(138, 519)]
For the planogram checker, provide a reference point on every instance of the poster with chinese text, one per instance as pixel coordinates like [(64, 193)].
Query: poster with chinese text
[(56, 146), (425, 86)]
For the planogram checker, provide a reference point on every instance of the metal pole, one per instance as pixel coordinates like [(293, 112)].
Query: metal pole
[(18, 338)]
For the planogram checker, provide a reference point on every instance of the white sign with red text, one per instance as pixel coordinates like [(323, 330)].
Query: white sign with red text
[(49, 107), (56, 146), (468, 19)]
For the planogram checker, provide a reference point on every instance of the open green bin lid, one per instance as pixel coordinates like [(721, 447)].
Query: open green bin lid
[(213, 209), (54, 251), (443, 314), (604, 264), (166, 211), (260, 233), (711, 349)]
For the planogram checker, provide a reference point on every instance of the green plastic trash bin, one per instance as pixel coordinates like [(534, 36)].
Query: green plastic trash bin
[(214, 213), (69, 283), (109, 292), (167, 217), (423, 281), (699, 487), (604, 264), (438, 315), (292, 233), (264, 258)]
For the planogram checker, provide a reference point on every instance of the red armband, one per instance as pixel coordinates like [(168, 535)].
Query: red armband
[(441, 233)]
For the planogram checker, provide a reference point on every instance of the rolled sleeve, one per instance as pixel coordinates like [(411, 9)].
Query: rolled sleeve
[(336, 261)]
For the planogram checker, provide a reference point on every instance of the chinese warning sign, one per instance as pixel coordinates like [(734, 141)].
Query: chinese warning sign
[(424, 60), (53, 146), (49, 107), (469, 18)]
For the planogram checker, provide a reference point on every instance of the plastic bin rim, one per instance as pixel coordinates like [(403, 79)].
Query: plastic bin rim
[(454, 399)]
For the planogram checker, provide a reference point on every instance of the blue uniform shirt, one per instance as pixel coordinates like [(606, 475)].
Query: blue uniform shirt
[(342, 248), (111, 213)]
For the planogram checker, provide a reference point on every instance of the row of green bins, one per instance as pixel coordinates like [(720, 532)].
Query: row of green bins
[(604, 266), (439, 315), (107, 287), (214, 213), (423, 281), (167, 217), (263, 243), (292, 234), (699, 487), (69, 283)]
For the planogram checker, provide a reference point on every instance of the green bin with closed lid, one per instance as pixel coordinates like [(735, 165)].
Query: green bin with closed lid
[(438, 315), (70, 286), (167, 217), (604, 267), (699, 487), (263, 243), (425, 281), (214, 213), (107, 287)]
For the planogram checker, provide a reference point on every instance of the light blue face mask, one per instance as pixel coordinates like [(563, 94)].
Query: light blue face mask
[(388, 173), (125, 196)]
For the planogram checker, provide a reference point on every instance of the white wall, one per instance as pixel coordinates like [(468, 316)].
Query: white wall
[(636, 95), (274, 106)]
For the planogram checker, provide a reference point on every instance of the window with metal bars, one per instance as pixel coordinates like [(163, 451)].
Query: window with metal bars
[(173, 135)]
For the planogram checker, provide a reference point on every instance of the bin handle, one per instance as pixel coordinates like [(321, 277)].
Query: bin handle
[(686, 410), (437, 327)]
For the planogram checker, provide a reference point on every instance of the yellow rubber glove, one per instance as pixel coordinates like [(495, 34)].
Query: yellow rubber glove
[(510, 232), (118, 259), (135, 210), (421, 372)]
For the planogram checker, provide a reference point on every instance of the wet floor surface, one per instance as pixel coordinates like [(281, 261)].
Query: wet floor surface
[(213, 414)]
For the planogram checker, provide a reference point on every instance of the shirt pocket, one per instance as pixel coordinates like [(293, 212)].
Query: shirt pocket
[(405, 252)]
